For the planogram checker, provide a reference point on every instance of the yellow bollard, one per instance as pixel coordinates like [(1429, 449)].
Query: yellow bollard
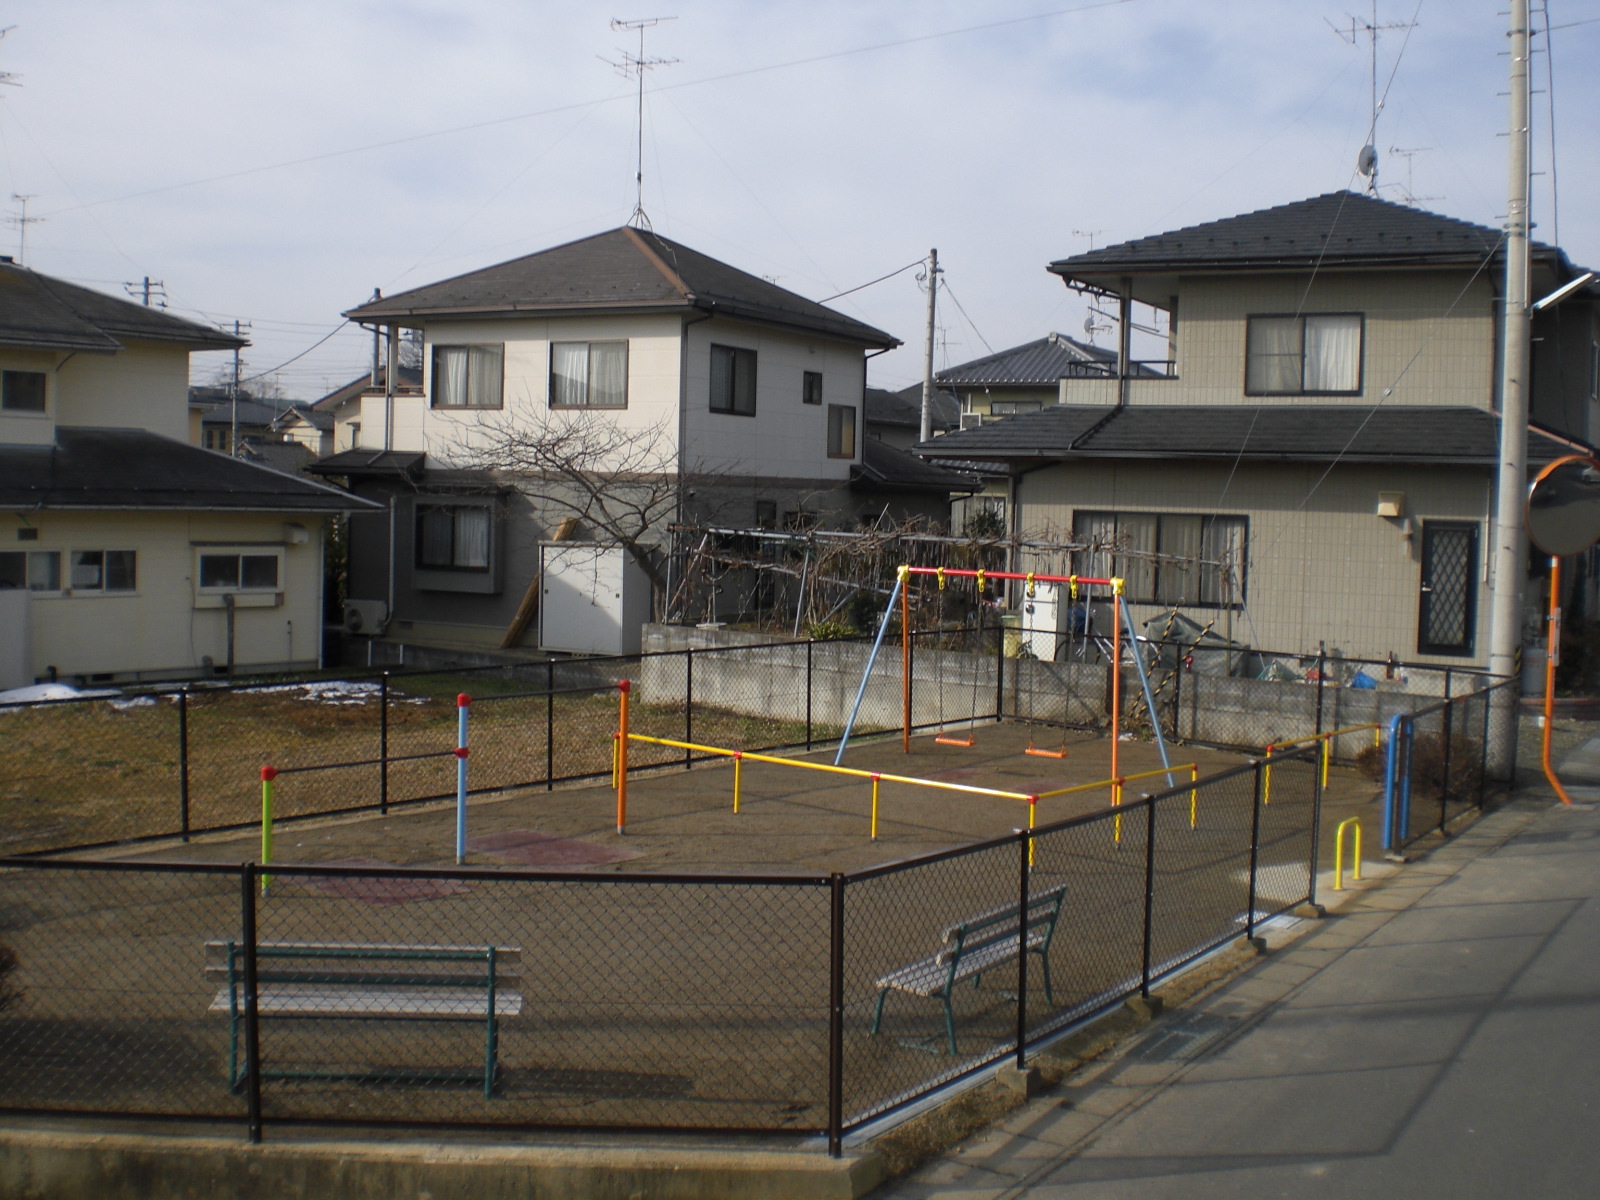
[(1338, 852), (1266, 776), (875, 808), (738, 769), (1327, 755), (1194, 795)]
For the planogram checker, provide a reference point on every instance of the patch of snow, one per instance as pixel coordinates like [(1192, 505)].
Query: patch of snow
[(329, 691), (33, 693)]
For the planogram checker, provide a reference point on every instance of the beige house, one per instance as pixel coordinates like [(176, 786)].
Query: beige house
[(129, 553), (1318, 465), (644, 357)]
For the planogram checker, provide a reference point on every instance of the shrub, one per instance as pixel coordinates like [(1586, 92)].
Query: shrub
[(1428, 765)]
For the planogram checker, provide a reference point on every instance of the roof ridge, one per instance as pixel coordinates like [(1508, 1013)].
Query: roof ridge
[(658, 262)]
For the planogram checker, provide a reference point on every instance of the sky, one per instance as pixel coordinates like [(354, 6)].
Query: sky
[(273, 163)]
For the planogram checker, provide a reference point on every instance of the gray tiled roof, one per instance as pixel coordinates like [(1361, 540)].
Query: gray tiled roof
[(623, 270), (1276, 432), (409, 377), (135, 469), (1041, 363), (886, 467), (1336, 229), (368, 463), (36, 310), (903, 409)]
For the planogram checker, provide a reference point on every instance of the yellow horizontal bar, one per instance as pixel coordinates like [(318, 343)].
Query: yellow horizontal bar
[(1100, 783), (1317, 737), (856, 772)]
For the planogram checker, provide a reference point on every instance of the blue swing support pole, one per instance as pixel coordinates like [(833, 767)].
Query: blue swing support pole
[(872, 659), (1144, 683)]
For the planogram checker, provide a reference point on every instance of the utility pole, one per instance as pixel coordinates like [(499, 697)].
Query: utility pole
[(149, 288), (927, 358), (1510, 539), (233, 394), (22, 222)]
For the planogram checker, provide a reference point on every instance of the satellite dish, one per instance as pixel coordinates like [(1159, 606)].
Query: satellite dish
[(1563, 509), (1089, 326), (1367, 161)]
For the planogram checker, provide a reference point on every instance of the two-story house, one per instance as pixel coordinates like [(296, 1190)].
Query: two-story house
[(625, 379), (128, 552), (1026, 378), (1318, 466)]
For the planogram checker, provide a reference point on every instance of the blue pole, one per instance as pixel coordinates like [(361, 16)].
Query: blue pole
[(463, 704), (855, 709), (1144, 682), (1388, 781)]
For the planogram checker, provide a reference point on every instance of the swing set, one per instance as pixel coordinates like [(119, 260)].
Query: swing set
[(1122, 618)]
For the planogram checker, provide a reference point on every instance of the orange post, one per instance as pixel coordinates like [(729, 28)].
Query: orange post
[(623, 687), (1116, 680), (1552, 654), (905, 660)]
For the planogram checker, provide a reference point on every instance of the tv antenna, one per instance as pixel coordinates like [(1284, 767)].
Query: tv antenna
[(1367, 160), (9, 77), (1406, 194), (22, 221), (634, 66), (1091, 234)]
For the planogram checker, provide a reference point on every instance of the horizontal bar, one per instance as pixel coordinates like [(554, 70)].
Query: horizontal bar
[(1084, 787), (334, 766), (832, 770), (970, 573)]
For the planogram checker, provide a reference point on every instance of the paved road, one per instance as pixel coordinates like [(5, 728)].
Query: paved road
[(1438, 1037)]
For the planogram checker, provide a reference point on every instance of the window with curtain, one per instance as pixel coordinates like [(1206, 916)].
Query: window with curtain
[(733, 380), (1293, 356), (468, 376), (240, 571), (588, 374), (841, 431), (811, 387), (1190, 560), (102, 570), (453, 537)]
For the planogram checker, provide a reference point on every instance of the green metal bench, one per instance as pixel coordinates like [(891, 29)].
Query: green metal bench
[(328, 981), (974, 946)]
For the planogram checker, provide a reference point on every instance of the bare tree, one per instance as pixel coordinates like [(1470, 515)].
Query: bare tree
[(620, 483)]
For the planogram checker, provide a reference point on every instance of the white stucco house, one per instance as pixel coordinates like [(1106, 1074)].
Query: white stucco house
[(128, 553), (660, 361), (1313, 461)]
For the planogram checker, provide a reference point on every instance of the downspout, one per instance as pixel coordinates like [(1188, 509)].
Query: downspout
[(388, 387)]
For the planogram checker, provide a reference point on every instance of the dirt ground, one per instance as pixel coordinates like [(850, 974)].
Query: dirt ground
[(789, 819)]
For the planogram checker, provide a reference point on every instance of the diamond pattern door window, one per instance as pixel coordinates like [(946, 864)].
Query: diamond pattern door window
[(1447, 616)]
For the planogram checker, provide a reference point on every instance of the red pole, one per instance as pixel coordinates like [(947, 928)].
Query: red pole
[(1116, 675), (1552, 653), (623, 687)]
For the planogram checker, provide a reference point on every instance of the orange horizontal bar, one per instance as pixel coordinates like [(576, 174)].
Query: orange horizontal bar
[(832, 770)]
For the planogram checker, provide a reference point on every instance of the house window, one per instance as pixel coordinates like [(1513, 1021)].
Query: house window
[(22, 391), (240, 571), (216, 438), (1010, 408), (589, 375), (467, 376), (1293, 356), (453, 537), (733, 380), (36, 570), (811, 387), (1189, 559), (101, 571), (841, 431)]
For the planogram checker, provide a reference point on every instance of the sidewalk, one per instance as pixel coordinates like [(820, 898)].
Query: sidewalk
[(1437, 1036)]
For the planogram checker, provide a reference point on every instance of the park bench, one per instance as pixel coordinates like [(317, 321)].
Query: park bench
[(974, 946), (330, 981)]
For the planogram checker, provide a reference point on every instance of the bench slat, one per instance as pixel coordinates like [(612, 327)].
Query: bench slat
[(217, 951), (422, 977), (927, 978), (305, 1000)]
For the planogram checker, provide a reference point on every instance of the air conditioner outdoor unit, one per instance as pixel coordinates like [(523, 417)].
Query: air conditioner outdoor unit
[(365, 616), (971, 420)]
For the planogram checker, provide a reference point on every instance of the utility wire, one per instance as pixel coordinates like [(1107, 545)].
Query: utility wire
[(947, 291), (297, 357), (870, 283)]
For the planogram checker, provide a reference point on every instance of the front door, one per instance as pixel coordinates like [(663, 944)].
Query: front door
[(1447, 617)]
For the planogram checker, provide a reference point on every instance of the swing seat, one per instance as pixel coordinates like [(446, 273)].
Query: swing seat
[(1041, 752), (946, 739)]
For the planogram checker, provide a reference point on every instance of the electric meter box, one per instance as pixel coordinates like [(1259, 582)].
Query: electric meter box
[(592, 599)]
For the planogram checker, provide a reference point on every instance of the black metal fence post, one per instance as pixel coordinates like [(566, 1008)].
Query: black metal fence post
[(1316, 828), (1149, 892), (1255, 854), (252, 1024), (1322, 674), (836, 1015), (549, 725), (1444, 779), (688, 704), (383, 743), (1483, 746), (183, 761), (810, 642), (1024, 852)]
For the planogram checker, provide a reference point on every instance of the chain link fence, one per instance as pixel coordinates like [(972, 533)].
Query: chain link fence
[(1442, 762)]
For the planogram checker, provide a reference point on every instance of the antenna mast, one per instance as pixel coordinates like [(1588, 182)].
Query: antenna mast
[(22, 222), (1367, 160), (634, 67)]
